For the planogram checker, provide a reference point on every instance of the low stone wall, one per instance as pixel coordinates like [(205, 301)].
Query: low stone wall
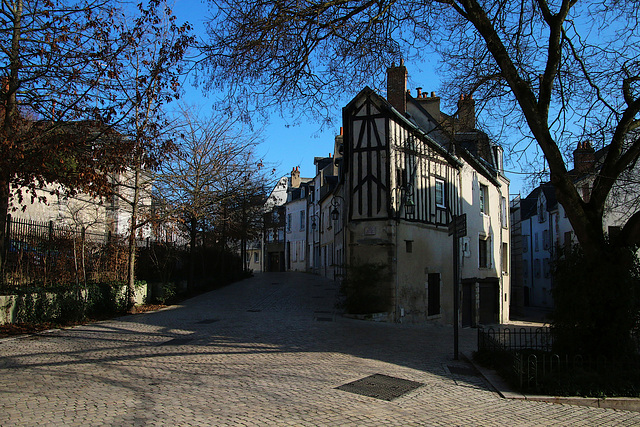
[(8, 303)]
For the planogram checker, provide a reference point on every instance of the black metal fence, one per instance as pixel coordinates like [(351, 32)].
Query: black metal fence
[(515, 339), (526, 355), (45, 254)]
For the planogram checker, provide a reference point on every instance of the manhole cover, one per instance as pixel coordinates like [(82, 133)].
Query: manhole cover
[(461, 370), (381, 387), (208, 321), (177, 341)]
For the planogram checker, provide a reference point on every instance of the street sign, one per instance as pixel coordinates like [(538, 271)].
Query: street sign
[(458, 226), (461, 225)]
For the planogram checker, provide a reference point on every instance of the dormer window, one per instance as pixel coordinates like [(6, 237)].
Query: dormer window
[(541, 211)]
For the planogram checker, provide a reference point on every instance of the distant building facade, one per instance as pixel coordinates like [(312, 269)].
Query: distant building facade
[(541, 227)]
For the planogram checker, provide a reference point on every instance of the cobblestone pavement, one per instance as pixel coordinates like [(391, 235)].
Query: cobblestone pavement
[(266, 351)]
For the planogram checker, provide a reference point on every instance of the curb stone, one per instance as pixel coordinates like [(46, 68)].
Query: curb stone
[(503, 389)]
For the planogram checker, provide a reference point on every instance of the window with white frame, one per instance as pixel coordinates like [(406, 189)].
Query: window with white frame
[(288, 222), (439, 190), (484, 199), (504, 212), (302, 220)]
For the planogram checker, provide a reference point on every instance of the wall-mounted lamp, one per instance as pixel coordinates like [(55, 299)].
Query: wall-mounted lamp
[(406, 200), (335, 213), (409, 205)]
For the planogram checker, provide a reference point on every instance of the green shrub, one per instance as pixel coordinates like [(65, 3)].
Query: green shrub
[(168, 293)]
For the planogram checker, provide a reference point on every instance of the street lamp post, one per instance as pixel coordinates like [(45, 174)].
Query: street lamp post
[(457, 229)]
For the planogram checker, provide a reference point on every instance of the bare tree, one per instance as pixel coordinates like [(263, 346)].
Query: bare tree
[(149, 78), (559, 72), (213, 154)]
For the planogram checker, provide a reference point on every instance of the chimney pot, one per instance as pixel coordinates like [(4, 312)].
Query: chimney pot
[(419, 89), (295, 177), (584, 157), (433, 94)]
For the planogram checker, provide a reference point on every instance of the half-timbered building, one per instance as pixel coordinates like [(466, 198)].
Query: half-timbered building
[(407, 171)]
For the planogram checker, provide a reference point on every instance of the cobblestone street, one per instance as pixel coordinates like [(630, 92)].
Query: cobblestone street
[(265, 351)]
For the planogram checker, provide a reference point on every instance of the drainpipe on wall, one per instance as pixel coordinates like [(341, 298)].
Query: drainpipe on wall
[(531, 272)]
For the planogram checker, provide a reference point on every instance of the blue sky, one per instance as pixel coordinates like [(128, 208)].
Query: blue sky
[(285, 145)]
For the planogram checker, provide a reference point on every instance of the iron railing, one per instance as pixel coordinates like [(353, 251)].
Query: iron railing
[(45, 254), (514, 339), (529, 352)]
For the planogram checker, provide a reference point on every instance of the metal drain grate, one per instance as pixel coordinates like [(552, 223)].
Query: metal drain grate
[(177, 341), (461, 370), (324, 319), (207, 321), (381, 386), (254, 310)]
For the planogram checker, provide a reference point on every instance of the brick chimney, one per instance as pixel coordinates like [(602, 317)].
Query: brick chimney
[(397, 87), (584, 158), (466, 113), (338, 147), (295, 177), (430, 103)]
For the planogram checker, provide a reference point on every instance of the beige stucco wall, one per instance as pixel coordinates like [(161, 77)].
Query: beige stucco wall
[(431, 252), (492, 224)]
